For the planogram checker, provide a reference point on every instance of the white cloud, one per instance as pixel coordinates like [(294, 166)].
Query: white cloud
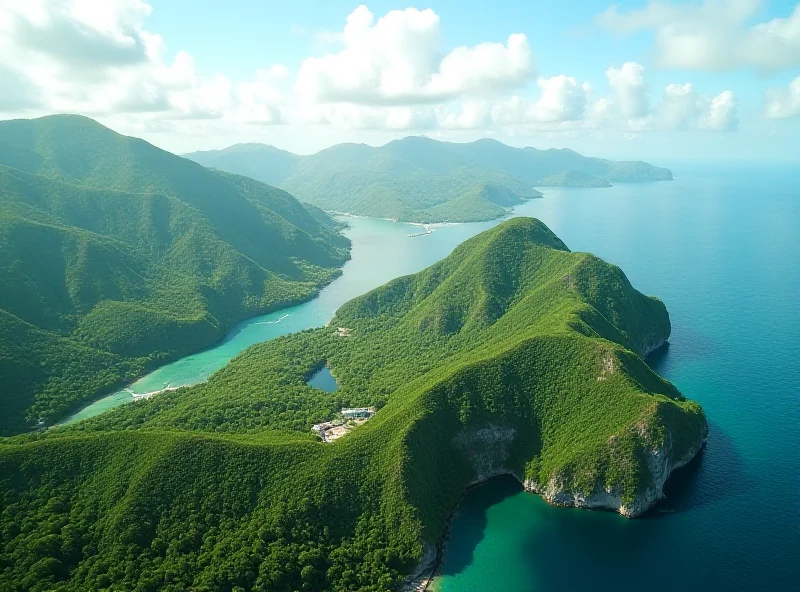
[(276, 72), (398, 61), (258, 100), (560, 99), (361, 117), (472, 115), (392, 74), (95, 57), (78, 35), (713, 35), (683, 108), (782, 104), (484, 68), (599, 112), (562, 106), (721, 114), (630, 89), (679, 107)]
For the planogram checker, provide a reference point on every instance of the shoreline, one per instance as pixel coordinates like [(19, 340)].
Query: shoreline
[(141, 396), (126, 385), (432, 225), (428, 574)]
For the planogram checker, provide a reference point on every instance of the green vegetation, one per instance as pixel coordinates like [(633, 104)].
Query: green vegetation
[(221, 486), (116, 256), (573, 179), (422, 180)]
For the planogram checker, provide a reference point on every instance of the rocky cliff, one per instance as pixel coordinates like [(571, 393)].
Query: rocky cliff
[(488, 452)]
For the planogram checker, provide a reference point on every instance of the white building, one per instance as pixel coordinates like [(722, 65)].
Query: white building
[(359, 412)]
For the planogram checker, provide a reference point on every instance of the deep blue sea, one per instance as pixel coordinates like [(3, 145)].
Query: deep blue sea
[(721, 246)]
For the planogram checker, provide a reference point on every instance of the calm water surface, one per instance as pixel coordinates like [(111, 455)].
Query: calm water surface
[(721, 247), (323, 379)]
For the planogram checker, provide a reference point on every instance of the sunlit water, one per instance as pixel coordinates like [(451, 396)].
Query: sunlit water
[(721, 247)]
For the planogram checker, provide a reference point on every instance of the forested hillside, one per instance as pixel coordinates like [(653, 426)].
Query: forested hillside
[(422, 180), (511, 355), (116, 255)]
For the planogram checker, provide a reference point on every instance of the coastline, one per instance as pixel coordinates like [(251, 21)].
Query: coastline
[(127, 383), (426, 572)]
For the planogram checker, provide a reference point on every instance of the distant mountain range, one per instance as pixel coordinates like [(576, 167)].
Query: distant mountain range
[(116, 255), (418, 179)]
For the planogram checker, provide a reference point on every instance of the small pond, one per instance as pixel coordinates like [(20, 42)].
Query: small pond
[(323, 379)]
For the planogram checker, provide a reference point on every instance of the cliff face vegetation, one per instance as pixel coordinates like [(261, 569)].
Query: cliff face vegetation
[(512, 355), (116, 256)]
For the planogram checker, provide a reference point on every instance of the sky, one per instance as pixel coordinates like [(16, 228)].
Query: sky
[(664, 79)]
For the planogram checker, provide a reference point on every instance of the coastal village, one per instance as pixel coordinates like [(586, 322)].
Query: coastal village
[(348, 419)]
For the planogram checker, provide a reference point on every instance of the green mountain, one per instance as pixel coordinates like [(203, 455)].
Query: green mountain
[(573, 179), (422, 180), (116, 255), (512, 355)]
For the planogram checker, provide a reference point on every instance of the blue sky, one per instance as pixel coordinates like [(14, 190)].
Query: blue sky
[(249, 34), (696, 79)]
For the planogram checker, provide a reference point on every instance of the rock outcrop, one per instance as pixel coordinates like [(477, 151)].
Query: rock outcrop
[(488, 451), (661, 463)]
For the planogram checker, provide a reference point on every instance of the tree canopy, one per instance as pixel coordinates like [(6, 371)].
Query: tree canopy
[(116, 256)]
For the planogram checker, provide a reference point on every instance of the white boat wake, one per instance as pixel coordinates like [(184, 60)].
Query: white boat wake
[(272, 322), (139, 396)]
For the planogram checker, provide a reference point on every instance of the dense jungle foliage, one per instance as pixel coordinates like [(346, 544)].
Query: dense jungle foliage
[(116, 256), (222, 486), (417, 179)]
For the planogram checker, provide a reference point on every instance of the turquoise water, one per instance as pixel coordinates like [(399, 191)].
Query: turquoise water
[(721, 247), (323, 379)]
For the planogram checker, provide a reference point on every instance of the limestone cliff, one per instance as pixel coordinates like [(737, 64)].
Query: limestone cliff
[(488, 452), (660, 462)]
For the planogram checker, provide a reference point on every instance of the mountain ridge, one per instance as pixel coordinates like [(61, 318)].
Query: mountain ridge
[(417, 179), (112, 243)]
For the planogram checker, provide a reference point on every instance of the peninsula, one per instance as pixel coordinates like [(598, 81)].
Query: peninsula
[(511, 356)]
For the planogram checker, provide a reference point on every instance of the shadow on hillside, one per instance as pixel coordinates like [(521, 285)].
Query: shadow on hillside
[(717, 472), (657, 360), (470, 521)]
